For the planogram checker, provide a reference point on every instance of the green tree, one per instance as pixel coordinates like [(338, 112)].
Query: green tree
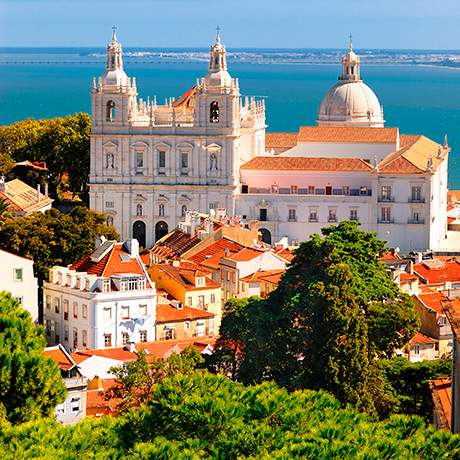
[(135, 382), (5, 214), (335, 311), (54, 238), (63, 143), (30, 384)]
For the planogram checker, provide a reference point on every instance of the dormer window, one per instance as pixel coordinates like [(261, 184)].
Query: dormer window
[(200, 282), (214, 112), (106, 286)]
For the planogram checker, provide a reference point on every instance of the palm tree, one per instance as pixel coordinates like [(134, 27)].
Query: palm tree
[(5, 213)]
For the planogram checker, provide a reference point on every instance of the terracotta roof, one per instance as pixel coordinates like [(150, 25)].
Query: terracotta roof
[(345, 134), (307, 164), (285, 253), (272, 276), (173, 245), (422, 338), (433, 300), (245, 254), (211, 255), (407, 139), (452, 310), (116, 261), (97, 405), (23, 197), (60, 356), (390, 256), (441, 392), (439, 273), (37, 165), (407, 277), (413, 158), (187, 99), (280, 140), (168, 314)]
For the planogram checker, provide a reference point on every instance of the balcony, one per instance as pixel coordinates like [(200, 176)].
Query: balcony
[(386, 221), (416, 221), (313, 219), (416, 200), (386, 199), (332, 219), (363, 191), (292, 219)]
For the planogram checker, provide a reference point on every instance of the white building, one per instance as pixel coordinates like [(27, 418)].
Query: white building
[(208, 149), (17, 277), (105, 300)]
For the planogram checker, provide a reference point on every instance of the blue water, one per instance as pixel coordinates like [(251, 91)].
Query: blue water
[(417, 99)]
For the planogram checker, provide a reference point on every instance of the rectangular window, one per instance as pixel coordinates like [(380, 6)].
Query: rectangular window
[(107, 340), (105, 285), (346, 190), (75, 310), (18, 299), (124, 338), (162, 159), (84, 311), (17, 274), (109, 204), (213, 298), (190, 301), (386, 214), (84, 338), (139, 160), (75, 405), (313, 215), (385, 193), (262, 214), (416, 349), (66, 310), (107, 313), (416, 193), (294, 189), (187, 325), (353, 214), (66, 333), (184, 160), (332, 217), (48, 302), (48, 327), (125, 312), (311, 189), (143, 336), (201, 301), (416, 216), (56, 305), (142, 310), (292, 215), (75, 339)]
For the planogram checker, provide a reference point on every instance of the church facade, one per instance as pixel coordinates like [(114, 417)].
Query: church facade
[(151, 164)]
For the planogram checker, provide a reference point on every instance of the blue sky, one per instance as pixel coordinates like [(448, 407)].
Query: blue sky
[(423, 24)]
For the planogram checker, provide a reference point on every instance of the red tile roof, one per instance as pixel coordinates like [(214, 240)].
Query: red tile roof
[(174, 245), (111, 264), (403, 277), (307, 164), (390, 256), (60, 357), (170, 314), (97, 405), (441, 392), (439, 273), (421, 338), (407, 139), (211, 255), (433, 300), (245, 255), (280, 140), (345, 134), (285, 253), (271, 276)]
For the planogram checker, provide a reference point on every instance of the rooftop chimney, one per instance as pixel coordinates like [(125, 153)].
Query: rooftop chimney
[(133, 247)]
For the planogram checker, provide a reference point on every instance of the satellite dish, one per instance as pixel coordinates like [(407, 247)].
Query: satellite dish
[(212, 212)]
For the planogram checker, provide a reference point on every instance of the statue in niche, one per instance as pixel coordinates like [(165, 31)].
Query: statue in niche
[(213, 161), (110, 161)]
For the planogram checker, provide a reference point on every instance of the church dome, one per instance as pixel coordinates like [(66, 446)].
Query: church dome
[(350, 102), (114, 73)]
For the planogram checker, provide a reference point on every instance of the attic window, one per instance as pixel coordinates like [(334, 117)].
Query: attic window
[(200, 281)]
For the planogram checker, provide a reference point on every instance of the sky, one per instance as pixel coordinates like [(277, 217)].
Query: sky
[(397, 24)]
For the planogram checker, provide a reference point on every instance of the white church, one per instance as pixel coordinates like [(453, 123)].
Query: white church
[(209, 149)]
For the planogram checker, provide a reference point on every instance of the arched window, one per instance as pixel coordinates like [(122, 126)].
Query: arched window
[(161, 210), (183, 210), (214, 112), (110, 114), (139, 210), (110, 220)]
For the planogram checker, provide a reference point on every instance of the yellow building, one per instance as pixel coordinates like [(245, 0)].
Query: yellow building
[(188, 283)]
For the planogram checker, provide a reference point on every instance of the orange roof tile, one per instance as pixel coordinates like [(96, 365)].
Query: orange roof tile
[(307, 164), (272, 276), (216, 251), (280, 140), (403, 277), (407, 139), (60, 357), (186, 100), (390, 256), (433, 300), (441, 392), (444, 271), (97, 405), (422, 338), (345, 134), (285, 253), (245, 254), (168, 314)]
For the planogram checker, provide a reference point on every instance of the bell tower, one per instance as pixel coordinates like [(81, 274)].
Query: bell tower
[(218, 94), (114, 94)]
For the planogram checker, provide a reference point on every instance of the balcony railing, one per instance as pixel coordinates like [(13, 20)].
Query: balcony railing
[(332, 219), (363, 191), (416, 221), (386, 221), (386, 199), (416, 200)]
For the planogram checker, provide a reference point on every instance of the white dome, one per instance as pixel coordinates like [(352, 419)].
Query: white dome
[(115, 77), (350, 103)]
